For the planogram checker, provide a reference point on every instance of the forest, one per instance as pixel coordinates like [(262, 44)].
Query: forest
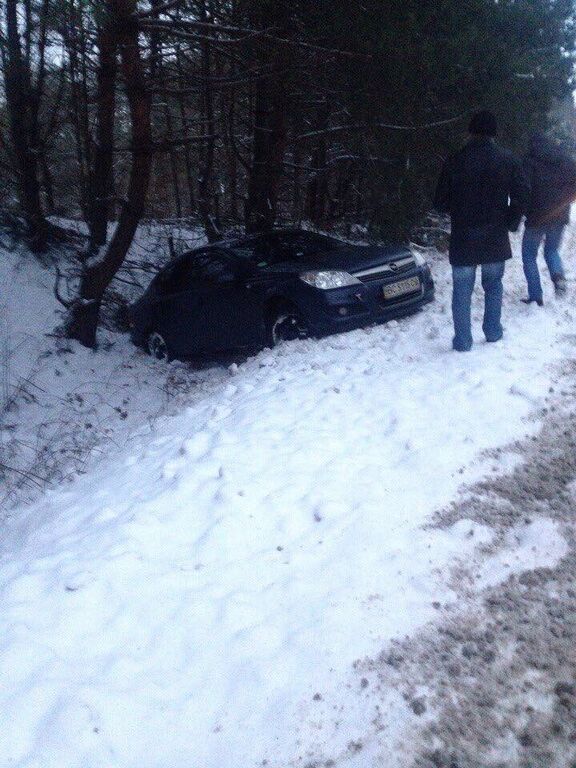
[(239, 115)]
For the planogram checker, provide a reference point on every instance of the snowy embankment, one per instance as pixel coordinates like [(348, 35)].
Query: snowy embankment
[(60, 404), (198, 596)]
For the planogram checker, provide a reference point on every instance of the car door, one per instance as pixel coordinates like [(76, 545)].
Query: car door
[(230, 307), (178, 311)]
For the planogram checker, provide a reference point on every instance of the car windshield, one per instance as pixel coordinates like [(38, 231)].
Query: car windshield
[(281, 248)]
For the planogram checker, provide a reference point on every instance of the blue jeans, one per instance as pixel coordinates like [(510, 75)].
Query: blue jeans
[(463, 287), (533, 236)]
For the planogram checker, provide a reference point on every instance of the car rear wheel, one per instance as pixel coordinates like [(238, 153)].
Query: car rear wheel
[(286, 324), (158, 347)]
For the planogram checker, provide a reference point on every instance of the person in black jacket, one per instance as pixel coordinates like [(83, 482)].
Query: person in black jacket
[(552, 175), (485, 191)]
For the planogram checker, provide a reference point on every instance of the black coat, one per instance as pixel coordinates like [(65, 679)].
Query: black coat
[(485, 191), (552, 175)]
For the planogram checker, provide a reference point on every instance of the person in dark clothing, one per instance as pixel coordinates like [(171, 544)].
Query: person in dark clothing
[(552, 175), (485, 191)]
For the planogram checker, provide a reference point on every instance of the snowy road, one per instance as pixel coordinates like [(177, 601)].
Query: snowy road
[(199, 597), (495, 676)]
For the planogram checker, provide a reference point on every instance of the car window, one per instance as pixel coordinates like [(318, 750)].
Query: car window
[(255, 250), (214, 268), (196, 269), (300, 246), (171, 279)]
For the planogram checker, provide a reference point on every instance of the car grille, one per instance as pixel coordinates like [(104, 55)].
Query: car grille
[(388, 270)]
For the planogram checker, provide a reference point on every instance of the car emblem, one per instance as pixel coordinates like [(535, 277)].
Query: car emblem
[(393, 266)]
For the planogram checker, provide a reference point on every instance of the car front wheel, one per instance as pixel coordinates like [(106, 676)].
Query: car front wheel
[(287, 324), (157, 347)]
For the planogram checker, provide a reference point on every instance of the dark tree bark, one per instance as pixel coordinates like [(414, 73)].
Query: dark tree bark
[(157, 75), (269, 143), (74, 40), (317, 188), (23, 115), (207, 163), (227, 120), (100, 268), (48, 184), (184, 128), (270, 115), (102, 182)]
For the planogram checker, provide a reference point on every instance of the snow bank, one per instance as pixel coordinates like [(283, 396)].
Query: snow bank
[(60, 404), (197, 598)]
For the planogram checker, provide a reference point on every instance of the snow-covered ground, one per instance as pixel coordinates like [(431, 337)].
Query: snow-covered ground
[(60, 403), (240, 537)]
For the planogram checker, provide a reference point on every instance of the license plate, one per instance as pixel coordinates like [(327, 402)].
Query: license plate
[(402, 287)]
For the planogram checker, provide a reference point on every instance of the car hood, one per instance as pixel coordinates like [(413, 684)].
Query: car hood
[(351, 258)]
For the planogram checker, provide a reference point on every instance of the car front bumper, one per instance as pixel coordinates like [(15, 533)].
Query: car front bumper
[(353, 307)]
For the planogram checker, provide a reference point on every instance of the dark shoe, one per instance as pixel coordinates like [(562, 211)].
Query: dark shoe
[(540, 302), (559, 285)]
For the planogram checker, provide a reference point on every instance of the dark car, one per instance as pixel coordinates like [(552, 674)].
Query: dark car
[(289, 284)]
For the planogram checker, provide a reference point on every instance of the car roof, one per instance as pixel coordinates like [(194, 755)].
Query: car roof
[(238, 242), (245, 240), (264, 235)]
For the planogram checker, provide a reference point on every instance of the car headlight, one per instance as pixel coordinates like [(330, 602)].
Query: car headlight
[(325, 280), (419, 259)]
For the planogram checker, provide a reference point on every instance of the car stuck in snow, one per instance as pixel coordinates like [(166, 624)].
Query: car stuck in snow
[(259, 291)]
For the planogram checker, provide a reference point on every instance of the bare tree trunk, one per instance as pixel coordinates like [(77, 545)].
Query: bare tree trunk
[(99, 269), (268, 155), (296, 203), (102, 182), (173, 161), (19, 95), (205, 175), (74, 40), (184, 128), (231, 159), (157, 76), (47, 183), (318, 183), (269, 137)]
